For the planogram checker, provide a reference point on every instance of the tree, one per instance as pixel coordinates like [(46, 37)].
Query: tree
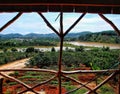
[(105, 48), (80, 48), (30, 49), (69, 50), (53, 49), (13, 49), (5, 50), (41, 60)]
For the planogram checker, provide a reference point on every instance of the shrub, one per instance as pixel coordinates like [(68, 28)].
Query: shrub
[(30, 49), (13, 49)]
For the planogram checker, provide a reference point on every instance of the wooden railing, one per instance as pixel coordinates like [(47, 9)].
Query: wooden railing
[(64, 74), (60, 73)]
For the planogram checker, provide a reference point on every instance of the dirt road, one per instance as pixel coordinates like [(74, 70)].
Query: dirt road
[(14, 65)]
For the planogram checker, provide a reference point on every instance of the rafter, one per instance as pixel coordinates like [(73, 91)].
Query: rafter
[(48, 23), (72, 26), (11, 21), (110, 23)]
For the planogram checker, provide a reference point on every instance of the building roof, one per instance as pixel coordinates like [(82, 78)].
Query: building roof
[(89, 6)]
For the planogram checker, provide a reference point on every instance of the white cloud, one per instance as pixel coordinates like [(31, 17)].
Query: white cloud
[(32, 22)]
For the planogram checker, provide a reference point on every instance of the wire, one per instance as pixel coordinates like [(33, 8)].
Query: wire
[(57, 17)]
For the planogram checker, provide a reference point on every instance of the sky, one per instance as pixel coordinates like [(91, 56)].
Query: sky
[(33, 23)]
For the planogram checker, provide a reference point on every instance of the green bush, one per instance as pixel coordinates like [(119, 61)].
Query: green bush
[(97, 59)]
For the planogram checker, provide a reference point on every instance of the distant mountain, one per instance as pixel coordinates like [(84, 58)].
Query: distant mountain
[(75, 35), (34, 35), (108, 36), (9, 36)]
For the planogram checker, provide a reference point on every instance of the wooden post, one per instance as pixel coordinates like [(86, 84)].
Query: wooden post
[(61, 51), (119, 81), (1, 85)]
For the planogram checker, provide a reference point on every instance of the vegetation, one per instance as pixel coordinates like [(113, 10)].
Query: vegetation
[(8, 57), (7, 43), (43, 59), (11, 55), (105, 36), (18, 40), (97, 58), (11, 48)]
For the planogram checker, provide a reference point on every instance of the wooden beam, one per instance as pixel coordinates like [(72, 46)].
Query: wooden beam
[(1, 85), (94, 6), (60, 53), (29, 69), (10, 22), (119, 80), (110, 23), (90, 71), (102, 83), (16, 80), (74, 24), (42, 83), (48, 24), (60, 2), (78, 82)]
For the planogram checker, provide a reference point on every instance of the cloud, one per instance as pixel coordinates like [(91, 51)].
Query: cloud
[(33, 23)]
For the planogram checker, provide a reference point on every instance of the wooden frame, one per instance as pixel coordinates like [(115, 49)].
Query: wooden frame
[(83, 6), (94, 6)]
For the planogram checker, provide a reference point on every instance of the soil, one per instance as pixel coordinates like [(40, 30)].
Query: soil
[(15, 64), (44, 89), (47, 88)]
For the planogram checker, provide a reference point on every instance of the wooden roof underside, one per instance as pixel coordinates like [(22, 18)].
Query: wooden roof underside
[(89, 6)]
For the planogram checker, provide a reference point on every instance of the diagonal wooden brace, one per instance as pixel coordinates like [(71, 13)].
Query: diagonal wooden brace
[(48, 23), (102, 83), (111, 23), (74, 24), (11, 21), (20, 82)]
